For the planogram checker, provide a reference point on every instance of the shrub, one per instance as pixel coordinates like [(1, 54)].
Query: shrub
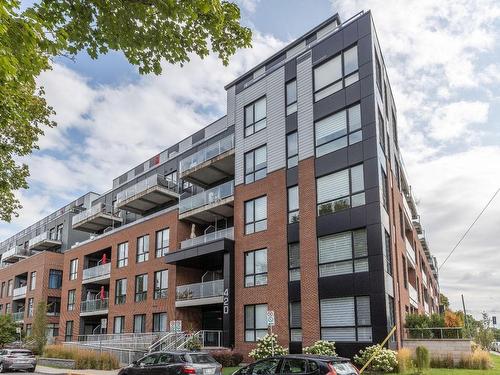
[(193, 344), (384, 360), (227, 358), (321, 347), (405, 362), (442, 362), (84, 359), (266, 347), (478, 360), (422, 356)]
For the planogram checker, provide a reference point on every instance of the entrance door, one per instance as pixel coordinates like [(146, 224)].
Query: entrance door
[(212, 325)]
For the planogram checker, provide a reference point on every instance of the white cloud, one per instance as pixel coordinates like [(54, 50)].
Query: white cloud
[(248, 5)]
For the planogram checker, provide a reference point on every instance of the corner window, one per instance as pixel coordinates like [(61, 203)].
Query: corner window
[(346, 319), (73, 269), (161, 284), (338, 130), (255, 164), (256, 268), (292, 150), (142, 249), (71, 300), (343, 253), (294, 261), (291, 97), (120, 291), (336, 73), (293, 204), (122, 255), (162, 239), (341, 190), (141, 288), (256, 215), (255, 322), (255, 116)]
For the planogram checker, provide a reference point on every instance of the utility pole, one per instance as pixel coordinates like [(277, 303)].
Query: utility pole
[(465, 312)]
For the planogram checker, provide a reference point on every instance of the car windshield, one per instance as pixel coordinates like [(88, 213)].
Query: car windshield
[(21, 353), (344, 368), (198, 358)]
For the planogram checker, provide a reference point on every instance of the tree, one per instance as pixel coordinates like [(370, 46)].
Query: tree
[(39, 328), (7, 330), (146, 31), (484, 334), (444, 301)]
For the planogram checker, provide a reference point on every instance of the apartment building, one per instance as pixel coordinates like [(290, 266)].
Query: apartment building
[(297, 201)]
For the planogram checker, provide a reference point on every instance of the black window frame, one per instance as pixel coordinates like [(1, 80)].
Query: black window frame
[(254, 275), (162, 292), (32, 284), (293, 214), (292, 269), (143, 256), (291, 107), (253, 174), (70, 305), (157, 316), (73, 273), (254, 329), (121, 318), (253, 123), (160, 250), (120, 299), (122, 261), (58, 274), (142, 295), (254, 222), (292, 160), (68, 336), (143, 323)]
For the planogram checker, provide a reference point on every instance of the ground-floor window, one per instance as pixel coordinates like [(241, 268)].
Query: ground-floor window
[(140, 323), (160, 322), (68, 333), (346, 319), (52, 330), (295, 322), (119, 324), (255, 321)]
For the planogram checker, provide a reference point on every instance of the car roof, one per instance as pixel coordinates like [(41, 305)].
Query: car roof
[(178, 352), (323, 358)]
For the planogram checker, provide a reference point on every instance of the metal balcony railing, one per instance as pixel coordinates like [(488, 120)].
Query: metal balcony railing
[(94, 210), (97, 271), (224, 233), (209, 152), (200, 290), (141, 186), (94, 305), (207, 197), (438, 333), (19, 292), (18, 316)]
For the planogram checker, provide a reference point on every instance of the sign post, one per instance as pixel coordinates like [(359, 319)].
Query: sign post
[(271, 321)]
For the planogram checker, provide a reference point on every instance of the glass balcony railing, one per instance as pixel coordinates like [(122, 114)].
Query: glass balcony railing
[(94, 305), (209, 196), (16, 251), (141, 186), (410, 251), (200, 290), (224, 233), (413, 293), (98, 271), (18, 316), (41, 238), (85, 215), (209, 152), (19, 292)]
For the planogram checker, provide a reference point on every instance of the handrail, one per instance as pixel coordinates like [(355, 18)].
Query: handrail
[(207, 153), (206, 197), (223, 233), (143, 185)]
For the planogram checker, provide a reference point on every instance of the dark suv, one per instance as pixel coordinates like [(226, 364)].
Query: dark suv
[(300, 364), (174, 363)]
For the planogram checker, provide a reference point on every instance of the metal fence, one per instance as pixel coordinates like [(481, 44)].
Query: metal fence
[(437, 333)]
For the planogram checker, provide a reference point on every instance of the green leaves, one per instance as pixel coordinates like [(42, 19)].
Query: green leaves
[(148, 32), (7, 330)]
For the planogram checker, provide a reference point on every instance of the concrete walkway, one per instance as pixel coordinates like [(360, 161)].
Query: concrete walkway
[(59, 371)]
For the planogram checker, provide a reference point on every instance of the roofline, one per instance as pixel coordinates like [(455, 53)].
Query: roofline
[(287, 47)]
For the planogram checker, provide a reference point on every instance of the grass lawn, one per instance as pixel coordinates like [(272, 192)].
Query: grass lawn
[(229, 370), (494, 371)]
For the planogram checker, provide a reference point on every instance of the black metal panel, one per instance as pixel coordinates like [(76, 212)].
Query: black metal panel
[(364, 25), (275, 61), (291, 122), (206, 256), (352, 93), (228, 301), (290, 70), (294, 291), (293, 233), (328, 47), (350, 34), (329, 105), (355, 153), (310, 39), (365, 50), (295, 347), (332, 162), (240, 86), (198, 136), (292, 176)]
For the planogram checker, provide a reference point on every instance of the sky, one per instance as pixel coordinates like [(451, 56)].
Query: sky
[(443, 61)]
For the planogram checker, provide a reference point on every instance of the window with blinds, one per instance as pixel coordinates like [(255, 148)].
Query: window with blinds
[(293, 261), (256, 164), (338, 130), (340, 190), (343, 253), (336, 73), (295, 322), (255, 116), (256, 268), (293, 204), (346, 319), (255, 322), (256, 215), (292, 150)]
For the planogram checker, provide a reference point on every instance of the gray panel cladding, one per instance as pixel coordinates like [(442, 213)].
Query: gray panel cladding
[(305, 109), (273, 87), (231, 103)]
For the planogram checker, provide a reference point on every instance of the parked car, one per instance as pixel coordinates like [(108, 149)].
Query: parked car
[(17, 359), (174, 363), (300, 364)]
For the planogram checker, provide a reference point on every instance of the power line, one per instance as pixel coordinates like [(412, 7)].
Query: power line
[(468, 229)]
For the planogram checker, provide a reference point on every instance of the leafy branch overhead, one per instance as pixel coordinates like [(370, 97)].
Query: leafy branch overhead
[(148, 32)]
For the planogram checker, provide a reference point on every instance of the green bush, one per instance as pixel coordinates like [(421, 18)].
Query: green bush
[(384, 360), (227, 358), (442, 362), (84, 359), (193, 344), (321, 347), (422, 358), (266, 347)]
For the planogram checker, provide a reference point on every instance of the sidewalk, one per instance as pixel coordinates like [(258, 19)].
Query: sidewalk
[(60, 371)]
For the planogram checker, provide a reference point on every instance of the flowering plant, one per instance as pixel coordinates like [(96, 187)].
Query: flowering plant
[(384, 360), (321, 347), (267, 346)]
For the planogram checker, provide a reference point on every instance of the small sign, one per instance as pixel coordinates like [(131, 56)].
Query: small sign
[(18, 329), (176, 326), (270, 318), (494, 320)]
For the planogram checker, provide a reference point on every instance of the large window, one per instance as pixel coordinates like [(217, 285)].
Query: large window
[(59, 230), (160, 322), (255, 321), (162, 239), (338, 130), (73, 269), (55, 279), (343, 253), (341, 190), (256, 164), (385, 189), (256, 268), (53, 306), (68, 331), (294, 261), (161, 284), (10, 287), (292, 150), (336, 73), (255, 116), (291, 97), (33, 280), (119, 324), (381, 130), (256, 215), (122, 255), (140, 323), (71, 299), (293, 204), (141, 287), (142, 249), (295, 321), (120, 291), (30, 307), (346, 319)]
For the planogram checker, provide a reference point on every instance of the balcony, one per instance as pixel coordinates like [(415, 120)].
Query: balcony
[(94, 307), (147, 194), (43, 242), (215, 203), (206, 293), (423, 242), (424, 279), (413, 296), (211, 164), (95, 219), (410, 200), (19, 293), (209, 237), (417, 225), (410, 253), (99, 274), (14, 254), (18, 316)]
